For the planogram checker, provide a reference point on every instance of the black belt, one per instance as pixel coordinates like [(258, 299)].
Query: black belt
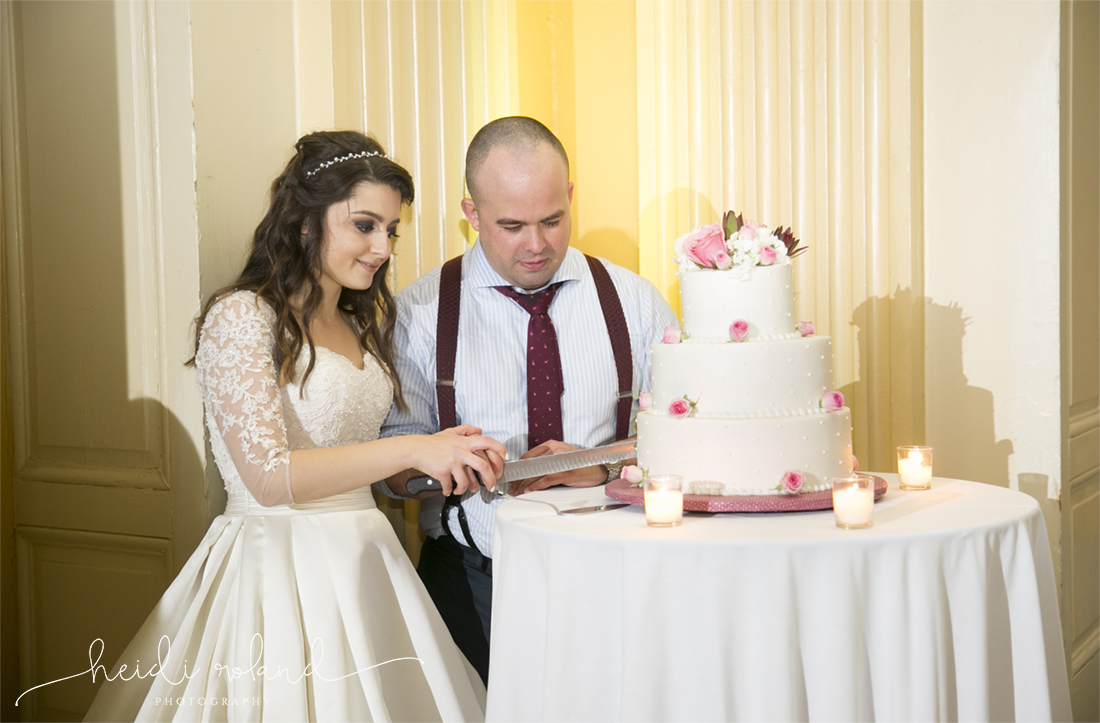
[(456, 501)]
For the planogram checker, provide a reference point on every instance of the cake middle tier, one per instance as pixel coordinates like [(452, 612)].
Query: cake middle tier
[(752, 378), (746, 456)]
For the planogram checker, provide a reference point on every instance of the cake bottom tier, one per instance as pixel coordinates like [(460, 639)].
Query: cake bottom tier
[(746, 456)]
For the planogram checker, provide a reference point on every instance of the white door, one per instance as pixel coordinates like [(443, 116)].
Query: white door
[(100, 236)]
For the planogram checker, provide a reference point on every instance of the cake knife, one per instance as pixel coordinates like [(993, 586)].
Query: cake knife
[(539, 466)]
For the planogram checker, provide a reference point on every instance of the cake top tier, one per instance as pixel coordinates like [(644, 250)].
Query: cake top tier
[(737, 272), (761, 297)]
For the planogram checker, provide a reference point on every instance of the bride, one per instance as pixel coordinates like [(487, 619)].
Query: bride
[(299, 603)]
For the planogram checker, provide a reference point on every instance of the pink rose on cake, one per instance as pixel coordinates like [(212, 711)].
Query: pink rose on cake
[(747, 232), (681, 408), (672, 335), (632, 474), (855, 463), (806, 328), (645, 401), (792, 482), (703, 245), (739, 330), (748, 239), (832, 402)]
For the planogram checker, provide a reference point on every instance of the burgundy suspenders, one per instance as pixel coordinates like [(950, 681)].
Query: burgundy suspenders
[(446, 341), (620, 343), (446, 349)]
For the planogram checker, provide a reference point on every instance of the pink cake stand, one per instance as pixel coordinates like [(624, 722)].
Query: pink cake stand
[(621, 490)]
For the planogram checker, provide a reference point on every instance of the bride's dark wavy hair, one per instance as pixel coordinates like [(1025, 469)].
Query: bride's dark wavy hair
[(285, 260)]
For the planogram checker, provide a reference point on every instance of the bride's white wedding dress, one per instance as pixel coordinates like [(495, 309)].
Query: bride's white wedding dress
[(291, 612)]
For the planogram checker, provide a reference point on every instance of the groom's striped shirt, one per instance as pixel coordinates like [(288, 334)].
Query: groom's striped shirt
[(491, 365)]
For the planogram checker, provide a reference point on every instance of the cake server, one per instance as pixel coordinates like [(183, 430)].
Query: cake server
[(575, 510), (539, 466), (593, 508)]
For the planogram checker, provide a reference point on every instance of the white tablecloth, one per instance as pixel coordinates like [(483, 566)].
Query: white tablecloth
[(945, 610)]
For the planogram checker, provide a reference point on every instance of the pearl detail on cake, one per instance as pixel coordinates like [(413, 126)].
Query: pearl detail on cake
[(733, 416)]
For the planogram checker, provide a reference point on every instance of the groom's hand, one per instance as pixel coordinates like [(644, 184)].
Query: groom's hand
[(584, 477)]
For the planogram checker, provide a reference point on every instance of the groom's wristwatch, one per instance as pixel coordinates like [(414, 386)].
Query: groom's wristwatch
[(614, 469)]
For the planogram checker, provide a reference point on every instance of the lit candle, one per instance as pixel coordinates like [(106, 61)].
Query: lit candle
[(915, 467), (664, 501), (853, 501)]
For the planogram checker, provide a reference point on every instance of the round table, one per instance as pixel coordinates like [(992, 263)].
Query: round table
[(946, 609)]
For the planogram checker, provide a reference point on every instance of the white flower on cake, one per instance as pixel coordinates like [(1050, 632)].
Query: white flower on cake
[(735, 245)]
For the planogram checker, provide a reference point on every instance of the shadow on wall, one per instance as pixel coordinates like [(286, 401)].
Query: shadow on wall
[(965, 438)]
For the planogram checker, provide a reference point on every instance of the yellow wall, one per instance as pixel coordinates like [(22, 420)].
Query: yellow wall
[(607, 131), (577, 74)]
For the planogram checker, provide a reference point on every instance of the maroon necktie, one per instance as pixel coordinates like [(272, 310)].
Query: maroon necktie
[(544, 379)]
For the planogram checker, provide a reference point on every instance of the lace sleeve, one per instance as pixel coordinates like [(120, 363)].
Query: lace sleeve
[(241, 392)]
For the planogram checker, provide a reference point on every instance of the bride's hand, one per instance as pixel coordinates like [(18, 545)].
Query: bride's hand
[(454, 455), (495, 459)]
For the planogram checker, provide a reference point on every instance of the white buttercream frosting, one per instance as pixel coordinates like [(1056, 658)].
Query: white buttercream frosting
[(746, 456), (757, 412), (726, 339), (763, 296)]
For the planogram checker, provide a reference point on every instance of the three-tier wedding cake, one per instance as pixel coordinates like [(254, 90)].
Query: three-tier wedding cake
[(741, 401)]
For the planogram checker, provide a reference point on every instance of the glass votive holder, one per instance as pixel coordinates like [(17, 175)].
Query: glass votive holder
[(854, 501), (664, 500), (915, 467)]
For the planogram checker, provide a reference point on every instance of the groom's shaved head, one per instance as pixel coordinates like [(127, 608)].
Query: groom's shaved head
[(518, 133)]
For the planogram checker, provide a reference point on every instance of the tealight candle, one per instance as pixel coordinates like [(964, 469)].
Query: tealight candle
[(915, 467), (664, 500), (853, 501)]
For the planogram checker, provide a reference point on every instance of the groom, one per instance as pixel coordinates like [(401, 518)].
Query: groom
[(535, 343)]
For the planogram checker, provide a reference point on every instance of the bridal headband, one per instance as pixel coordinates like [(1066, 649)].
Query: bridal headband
[(341, 159)]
